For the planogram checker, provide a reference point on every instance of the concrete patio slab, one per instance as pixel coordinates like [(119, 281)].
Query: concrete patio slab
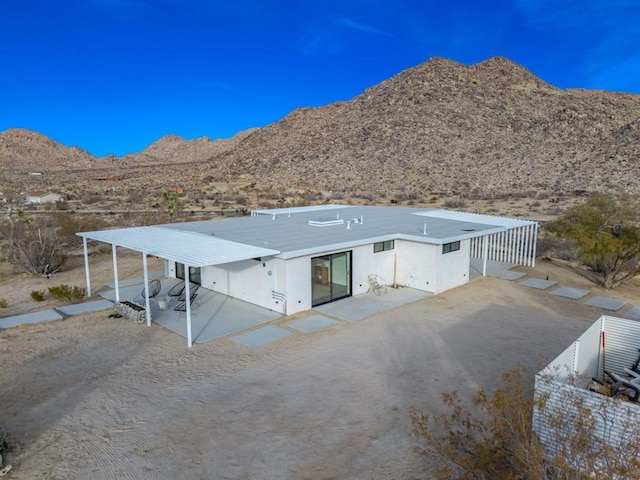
[(312, 323), (35, 317), (134, 281), (261, 336), (569, 292), (356, 308), (493, 268), (85, 307), (633, 314), (509, 274), (213, 315), (538, 283), (608, 303)]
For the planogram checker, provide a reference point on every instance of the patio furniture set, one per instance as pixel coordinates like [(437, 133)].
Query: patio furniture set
[(136, 312)]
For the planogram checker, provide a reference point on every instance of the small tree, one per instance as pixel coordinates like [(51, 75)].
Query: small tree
[(171, 202), (40, 244), (606, 233), (33, 244)]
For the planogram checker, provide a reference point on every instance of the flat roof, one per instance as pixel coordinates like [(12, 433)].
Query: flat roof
[(287, 233)]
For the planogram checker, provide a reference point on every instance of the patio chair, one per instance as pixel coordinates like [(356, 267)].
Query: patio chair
[(193, 288), (154, 289), (376, 285), (182, 306), (176, 290), (627, 386)]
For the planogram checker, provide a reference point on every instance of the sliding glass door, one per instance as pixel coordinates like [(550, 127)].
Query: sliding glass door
[(331, 278), (194, 273)]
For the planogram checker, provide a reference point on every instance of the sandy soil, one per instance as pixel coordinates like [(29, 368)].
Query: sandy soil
[(93, 397), (16, 288)]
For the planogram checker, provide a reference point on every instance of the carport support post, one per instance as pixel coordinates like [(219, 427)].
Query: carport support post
[(187, 298), (485, 252), (146, 288), (115, 271), (86, 265), (535, 244)]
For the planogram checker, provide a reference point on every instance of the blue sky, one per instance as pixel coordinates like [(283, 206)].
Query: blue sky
[(112, 76)]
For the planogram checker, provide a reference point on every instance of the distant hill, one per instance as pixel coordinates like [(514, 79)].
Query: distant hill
[(441, 127), (22, 149)]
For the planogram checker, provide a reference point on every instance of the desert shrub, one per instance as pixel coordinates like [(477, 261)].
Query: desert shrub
[(554, 247), (4, 303), (90, 198), (491, 436), (37, 295), (67, 293), (455, 203)]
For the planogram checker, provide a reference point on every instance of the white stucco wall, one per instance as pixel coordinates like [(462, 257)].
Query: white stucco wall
[(452, 269), (410, 264), (425, 267), (249, 280), (416, 265), (297, 284)]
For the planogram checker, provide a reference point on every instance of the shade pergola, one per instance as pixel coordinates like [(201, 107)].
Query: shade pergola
[(189, 248)]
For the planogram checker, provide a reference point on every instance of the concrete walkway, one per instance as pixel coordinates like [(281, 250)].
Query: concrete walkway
[(57, 313), (579, 294)]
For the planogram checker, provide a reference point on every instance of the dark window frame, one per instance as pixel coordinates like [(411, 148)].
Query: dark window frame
[(450, 247), (383, 246)]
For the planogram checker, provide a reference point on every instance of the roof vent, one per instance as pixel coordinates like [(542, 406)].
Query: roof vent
[(326, 222)]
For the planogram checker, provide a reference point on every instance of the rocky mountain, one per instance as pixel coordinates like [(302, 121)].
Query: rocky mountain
[(488, 129), (25, 150), (174, 149)]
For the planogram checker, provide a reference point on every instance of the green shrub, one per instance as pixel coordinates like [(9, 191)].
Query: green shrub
[(37, 295), (68, 293), (3, 303)]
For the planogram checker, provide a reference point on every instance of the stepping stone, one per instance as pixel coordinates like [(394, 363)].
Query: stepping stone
[(261, 336), (35, 317), (569, 292), (608, 303), (312, 323), (633, 314), (538, 283), (85, 307), (509, 275)]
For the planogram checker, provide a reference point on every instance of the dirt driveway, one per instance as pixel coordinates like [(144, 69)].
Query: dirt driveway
[(93, 397)]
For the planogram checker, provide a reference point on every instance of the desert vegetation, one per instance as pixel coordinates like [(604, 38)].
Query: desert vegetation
[(491, 437), (605, 232)]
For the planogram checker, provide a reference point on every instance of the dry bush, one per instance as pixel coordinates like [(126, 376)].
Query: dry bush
[(455, 203), (553, 247), (493, 438)]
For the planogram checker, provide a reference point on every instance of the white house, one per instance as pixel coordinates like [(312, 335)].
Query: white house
[(44, 197), (292, 259)]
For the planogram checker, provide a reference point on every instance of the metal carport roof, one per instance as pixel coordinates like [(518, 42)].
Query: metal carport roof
[(190, 248), (475, 218)]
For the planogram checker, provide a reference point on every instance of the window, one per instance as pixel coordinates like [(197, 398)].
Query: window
[(450, 247), (382, 246)]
